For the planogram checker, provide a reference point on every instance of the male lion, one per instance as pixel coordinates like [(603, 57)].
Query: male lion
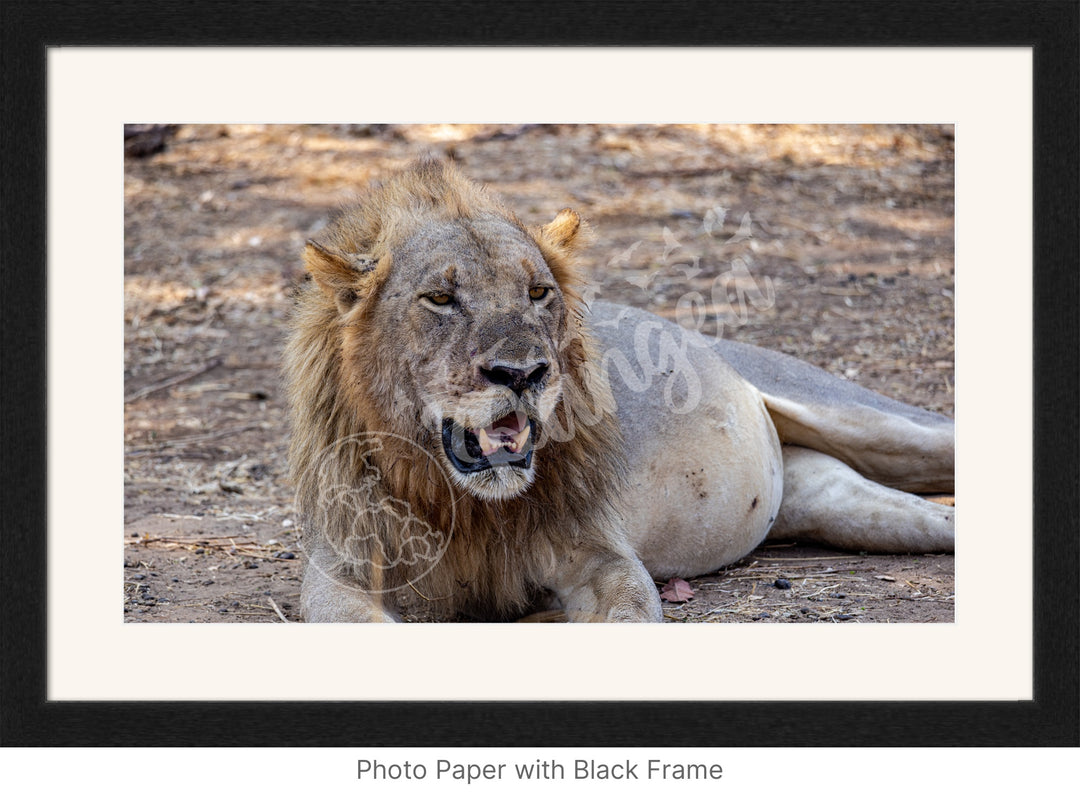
[(467, 432)]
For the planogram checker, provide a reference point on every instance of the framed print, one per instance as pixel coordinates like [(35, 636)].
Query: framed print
[(241, 139)]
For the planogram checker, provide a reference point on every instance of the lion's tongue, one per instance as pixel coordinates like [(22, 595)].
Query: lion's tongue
[(511, 431)]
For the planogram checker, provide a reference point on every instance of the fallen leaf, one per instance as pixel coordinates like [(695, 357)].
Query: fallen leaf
[(677, 590)]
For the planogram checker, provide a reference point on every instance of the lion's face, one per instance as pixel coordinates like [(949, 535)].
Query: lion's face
[(452, 322), (477, 318)]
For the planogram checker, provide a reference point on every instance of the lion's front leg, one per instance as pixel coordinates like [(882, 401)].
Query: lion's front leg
[(606, 587), (327, 595)]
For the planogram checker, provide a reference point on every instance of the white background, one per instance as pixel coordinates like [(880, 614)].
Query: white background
[(984, 655)]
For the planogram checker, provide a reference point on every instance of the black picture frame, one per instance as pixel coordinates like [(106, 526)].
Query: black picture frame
[(1052, 29)]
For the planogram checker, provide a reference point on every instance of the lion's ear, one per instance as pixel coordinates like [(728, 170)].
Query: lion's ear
[(562, 232), (341, 275), (559, 240)]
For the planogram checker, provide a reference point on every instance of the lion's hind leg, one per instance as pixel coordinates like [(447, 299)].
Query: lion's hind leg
[(828, 502), (893, 450), (889, 442)]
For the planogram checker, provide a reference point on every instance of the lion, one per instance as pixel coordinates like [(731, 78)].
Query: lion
[(469, 434)]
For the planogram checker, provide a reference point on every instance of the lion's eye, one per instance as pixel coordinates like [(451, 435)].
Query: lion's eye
[(442, 299), (539, 293)]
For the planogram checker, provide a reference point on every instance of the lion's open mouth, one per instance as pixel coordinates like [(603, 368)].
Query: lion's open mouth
[(506, 442)]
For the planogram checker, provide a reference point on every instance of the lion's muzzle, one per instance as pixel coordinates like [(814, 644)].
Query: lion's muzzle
[(508, 442)]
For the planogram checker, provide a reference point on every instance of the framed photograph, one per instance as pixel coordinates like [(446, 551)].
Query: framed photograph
[(870, 186)]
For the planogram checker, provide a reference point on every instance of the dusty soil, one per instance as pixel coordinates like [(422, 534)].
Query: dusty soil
[(831, 243)]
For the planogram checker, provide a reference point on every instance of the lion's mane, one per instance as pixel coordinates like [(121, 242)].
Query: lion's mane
[(361, 461)]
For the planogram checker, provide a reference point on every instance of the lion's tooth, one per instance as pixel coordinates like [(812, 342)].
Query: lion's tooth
[(520, 439), (487, 445)]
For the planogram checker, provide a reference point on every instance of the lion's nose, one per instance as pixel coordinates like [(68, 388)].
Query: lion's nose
[(517, 379)]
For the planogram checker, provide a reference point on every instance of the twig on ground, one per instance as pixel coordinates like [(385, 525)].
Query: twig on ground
[(179, 379), (822, 590), (194, 438), (277, 609)]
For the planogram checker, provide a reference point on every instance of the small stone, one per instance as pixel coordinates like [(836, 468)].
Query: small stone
[(138, 577), (285, 555), (783, 584)]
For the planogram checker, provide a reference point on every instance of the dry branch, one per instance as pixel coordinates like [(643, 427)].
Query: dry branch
[(171, 382), (277, 609)]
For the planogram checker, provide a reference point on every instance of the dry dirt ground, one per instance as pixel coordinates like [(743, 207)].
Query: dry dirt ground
[(831, 243)]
